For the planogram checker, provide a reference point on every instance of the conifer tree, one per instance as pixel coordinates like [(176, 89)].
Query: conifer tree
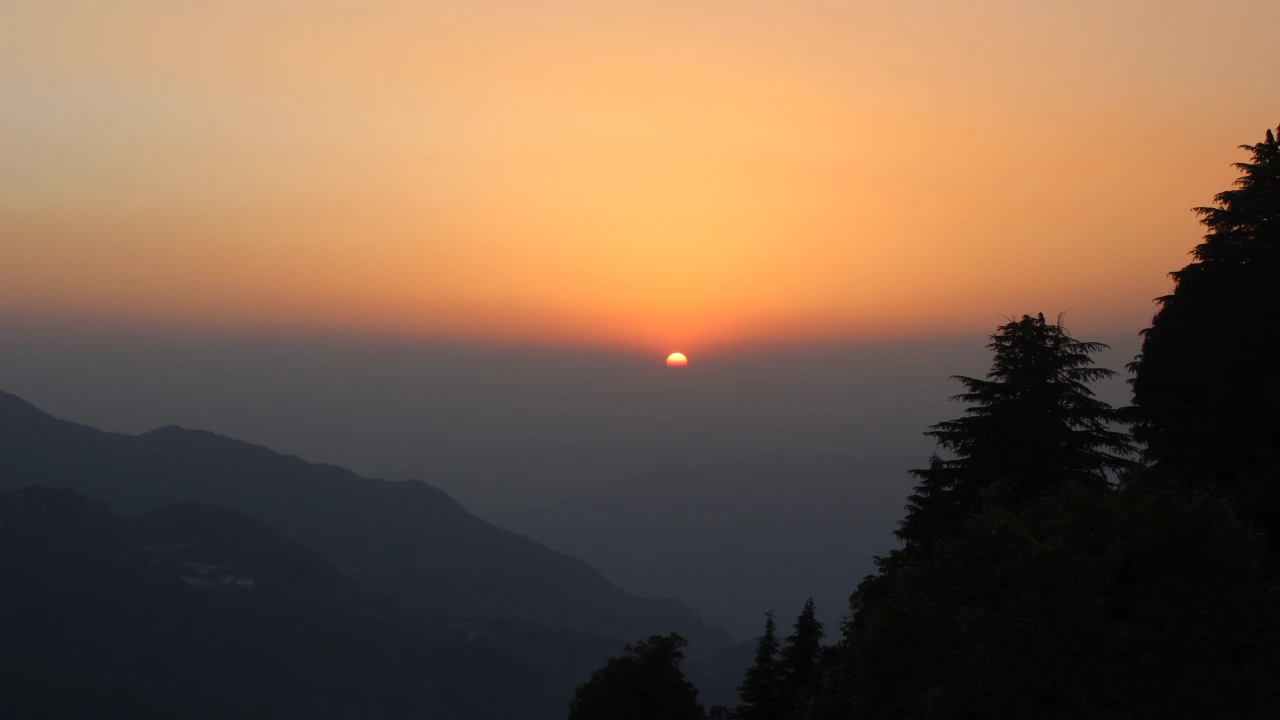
[(1032, 424), (761, 687), (1207, 384), (801, 659)]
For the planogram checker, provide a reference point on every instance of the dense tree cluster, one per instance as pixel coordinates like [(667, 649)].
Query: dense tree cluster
[(644, 683), (1207, 385), (1052, 566)]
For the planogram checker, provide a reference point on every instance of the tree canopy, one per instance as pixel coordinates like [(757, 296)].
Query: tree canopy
[(1032, 424), (1207, 384), (645, 682), (1128, 605)]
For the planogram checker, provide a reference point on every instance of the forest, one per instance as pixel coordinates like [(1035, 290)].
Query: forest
[(1060, 557)]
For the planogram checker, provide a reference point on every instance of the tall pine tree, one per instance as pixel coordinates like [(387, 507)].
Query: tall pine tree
[(801, 659), (761, 687), (1207, 384), (1032, 424)]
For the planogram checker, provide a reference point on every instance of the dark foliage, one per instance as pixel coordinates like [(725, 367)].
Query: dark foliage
[(1207, 385), (801, 661), (1032, 424), (761, 689), (1084, 604), (645, 683)]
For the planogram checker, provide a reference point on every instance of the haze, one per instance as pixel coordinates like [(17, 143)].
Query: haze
[(725, 484), (455, 242)]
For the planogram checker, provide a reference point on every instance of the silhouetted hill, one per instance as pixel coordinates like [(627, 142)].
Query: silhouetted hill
[(406, 539), (197, 611)]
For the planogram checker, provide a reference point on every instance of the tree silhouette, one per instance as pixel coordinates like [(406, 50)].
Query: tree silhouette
[(720, 712), (1033, 424), (801, 659), (1207, 386), (1082, 605), (644, 683), (760, 691)]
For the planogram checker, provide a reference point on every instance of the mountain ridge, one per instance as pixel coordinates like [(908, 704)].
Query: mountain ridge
[(198, 611), (406, 538)]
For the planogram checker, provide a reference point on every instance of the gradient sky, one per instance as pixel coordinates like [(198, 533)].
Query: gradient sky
[(649, 175)]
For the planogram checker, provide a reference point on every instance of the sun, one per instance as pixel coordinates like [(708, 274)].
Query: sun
[(677, 360)]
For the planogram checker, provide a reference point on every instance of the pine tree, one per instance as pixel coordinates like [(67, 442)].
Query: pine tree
[(1033, 424), (761, 687), (1207, 384), (801, 659)]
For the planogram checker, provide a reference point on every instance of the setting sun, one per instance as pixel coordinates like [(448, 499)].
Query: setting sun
[(403, 269)]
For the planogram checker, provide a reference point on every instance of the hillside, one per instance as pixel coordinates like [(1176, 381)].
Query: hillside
[(406, 539), (194, 611)]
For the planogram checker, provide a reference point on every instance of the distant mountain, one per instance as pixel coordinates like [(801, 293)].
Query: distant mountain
[(719, 672), (406, 539), (194, 611)]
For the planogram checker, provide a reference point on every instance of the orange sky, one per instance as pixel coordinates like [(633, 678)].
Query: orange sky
[(659, 175)]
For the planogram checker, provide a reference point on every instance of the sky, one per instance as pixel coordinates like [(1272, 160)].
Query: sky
[(456, 242), (651, 176)]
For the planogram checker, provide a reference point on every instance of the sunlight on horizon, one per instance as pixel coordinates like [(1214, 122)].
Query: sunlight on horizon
[(621, 174)]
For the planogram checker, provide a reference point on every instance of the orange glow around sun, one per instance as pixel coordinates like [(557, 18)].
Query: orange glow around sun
[(677, 360), (631, 175)]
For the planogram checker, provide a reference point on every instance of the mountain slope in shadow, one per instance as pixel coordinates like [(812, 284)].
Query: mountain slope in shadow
[(195, 611), (406, 539)]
